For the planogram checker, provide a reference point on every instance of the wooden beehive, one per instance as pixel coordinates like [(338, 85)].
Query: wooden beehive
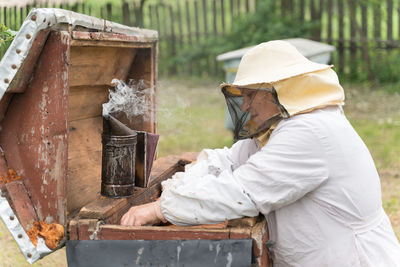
[(53, 130), (51, 124)]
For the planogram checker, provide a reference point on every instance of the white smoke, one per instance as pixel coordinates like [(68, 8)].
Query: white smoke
[(133, 99)]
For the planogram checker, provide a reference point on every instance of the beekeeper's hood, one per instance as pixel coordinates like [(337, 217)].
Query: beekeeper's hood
[(298, 84)]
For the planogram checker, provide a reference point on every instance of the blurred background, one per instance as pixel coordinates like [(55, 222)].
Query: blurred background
[(192, 33)]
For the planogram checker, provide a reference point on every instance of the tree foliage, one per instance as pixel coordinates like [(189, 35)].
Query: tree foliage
[(6, 36), (251, 29)]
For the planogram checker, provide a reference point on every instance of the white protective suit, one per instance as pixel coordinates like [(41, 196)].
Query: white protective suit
[(314, 180)]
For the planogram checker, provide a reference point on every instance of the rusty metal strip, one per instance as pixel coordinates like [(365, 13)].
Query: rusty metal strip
[(12, 223)]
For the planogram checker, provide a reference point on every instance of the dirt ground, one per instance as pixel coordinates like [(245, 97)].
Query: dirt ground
[(197, 105)]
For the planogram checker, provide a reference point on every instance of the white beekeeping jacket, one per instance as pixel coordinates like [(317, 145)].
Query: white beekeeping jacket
[(316, 183)]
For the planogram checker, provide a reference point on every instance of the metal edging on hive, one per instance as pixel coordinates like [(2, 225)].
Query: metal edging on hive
[(30, 252)]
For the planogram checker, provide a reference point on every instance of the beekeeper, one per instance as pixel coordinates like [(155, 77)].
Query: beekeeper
[(300, 164)]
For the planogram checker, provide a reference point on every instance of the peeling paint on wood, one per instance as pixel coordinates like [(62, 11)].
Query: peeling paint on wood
[(34, 135), (259, 234), (106, 36), (115, 232), (18, 197)]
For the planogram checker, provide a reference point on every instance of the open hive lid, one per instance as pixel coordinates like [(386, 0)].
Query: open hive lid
[(53, 80)]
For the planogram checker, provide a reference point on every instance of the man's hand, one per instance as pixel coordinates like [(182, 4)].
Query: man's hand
[(146, 214)]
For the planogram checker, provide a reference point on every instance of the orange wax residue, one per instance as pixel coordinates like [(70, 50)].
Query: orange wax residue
[(11, 176), (52, 233)]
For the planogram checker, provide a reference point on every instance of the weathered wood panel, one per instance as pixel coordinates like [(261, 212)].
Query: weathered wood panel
[(86, 228), (180, 26), (5, 100), (340, 45), (377, 21), (240, 233), (3, 170), (73, 230), (222, 3), (259, 234), (98, 38), (99, 65), (122, 59), (18, 196), (84, 162), (115, 232), (34, 131), (389, 14), (126, 14), (352, 7), (330, 16), (196, 19), (86, 101)]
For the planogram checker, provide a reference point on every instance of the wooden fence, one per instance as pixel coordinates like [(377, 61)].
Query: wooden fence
[(357, 28)]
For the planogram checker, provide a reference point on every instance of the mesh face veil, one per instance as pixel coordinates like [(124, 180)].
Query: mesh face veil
[(300, 84), (244, 126)]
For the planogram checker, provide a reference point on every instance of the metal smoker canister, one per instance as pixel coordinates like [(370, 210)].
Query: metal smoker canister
[(118, 165)]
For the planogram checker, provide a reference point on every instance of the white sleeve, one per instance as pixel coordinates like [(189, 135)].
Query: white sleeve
[(206, 192), (233, 157), (292, 164), (206, 200), (214, 161)]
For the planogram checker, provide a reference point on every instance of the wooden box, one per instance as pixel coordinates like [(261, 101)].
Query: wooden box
[(51, 124)]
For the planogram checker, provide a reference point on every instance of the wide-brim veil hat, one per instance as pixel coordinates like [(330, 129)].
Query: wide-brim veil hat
[(301, 85)]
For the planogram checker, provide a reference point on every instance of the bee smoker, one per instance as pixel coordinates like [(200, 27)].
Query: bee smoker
[(118, 159)]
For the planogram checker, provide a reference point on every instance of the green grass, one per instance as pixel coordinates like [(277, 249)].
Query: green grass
[(191, 116), (375, 115), (382, 140)]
